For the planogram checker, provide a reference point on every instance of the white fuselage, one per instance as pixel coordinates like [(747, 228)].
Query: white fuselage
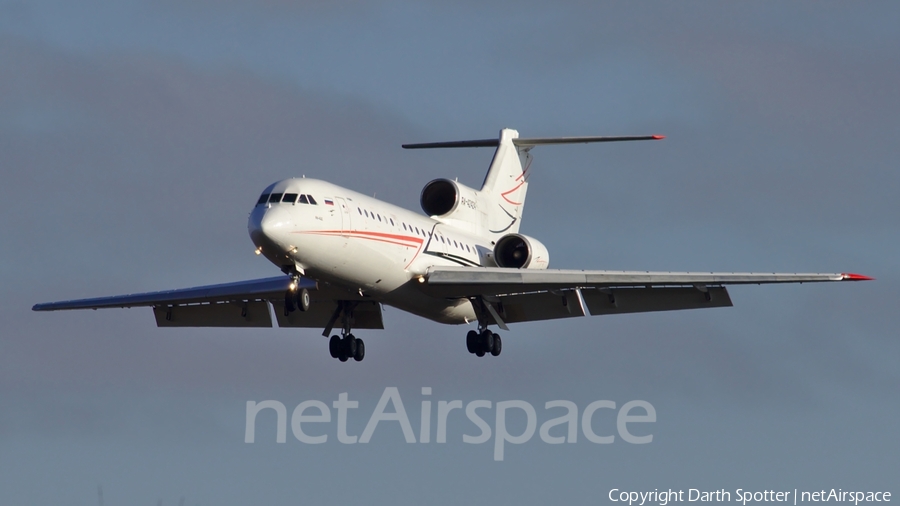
[(364, 245)]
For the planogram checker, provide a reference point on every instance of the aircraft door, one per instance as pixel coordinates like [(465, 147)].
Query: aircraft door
[(345, 216)]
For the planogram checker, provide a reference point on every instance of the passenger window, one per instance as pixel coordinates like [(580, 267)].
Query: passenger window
[(312, 200), (360, 211), (303, 200), (392, 221), (263, 199), (441, 238), (275, 197), (379, 217), (289, 198), (404, 226)]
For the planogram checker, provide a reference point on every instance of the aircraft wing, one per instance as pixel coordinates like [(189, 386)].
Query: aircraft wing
[(254, 289), (240, 304), (517, 295)]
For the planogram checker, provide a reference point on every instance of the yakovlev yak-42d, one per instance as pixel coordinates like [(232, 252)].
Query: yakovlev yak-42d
[(344, 254)]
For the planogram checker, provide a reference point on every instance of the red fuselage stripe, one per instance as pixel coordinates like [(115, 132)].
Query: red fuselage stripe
[(372, 236)]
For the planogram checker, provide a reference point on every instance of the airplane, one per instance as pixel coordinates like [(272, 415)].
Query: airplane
[(344, 255)]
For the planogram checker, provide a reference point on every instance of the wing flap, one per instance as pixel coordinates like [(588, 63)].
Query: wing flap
[(538, 306), (366, 315), (221, 314), (644, 300)]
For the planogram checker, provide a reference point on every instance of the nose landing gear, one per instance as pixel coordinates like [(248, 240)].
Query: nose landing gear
[(298, 299)]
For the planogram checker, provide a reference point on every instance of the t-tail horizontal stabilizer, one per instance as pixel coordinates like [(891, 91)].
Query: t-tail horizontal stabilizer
[(535, 141)]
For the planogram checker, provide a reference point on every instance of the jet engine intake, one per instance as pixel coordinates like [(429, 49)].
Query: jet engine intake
[(517, 251), (440, 197)]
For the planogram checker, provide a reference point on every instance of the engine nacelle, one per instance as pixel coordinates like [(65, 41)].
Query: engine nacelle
[(519, 251), (453, 203)]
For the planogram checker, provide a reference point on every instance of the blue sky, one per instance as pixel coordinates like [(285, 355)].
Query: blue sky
[(135, 137)]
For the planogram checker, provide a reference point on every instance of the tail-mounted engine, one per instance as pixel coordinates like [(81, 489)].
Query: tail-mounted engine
[(519, 251), (454, 203)]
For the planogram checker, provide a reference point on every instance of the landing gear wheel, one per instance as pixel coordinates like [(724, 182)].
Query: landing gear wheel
[(472, 341), (334, 346), (303, 299), (343, 358), (349, 345), (479, 353), (498, 346), (360, 351), (487, 340)]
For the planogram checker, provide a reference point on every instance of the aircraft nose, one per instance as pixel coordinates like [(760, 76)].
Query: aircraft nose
[(268, 226)]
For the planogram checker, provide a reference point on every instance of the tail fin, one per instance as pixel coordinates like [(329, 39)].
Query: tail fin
[(505, 185)]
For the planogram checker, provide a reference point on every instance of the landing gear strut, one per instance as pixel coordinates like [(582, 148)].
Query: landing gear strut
[(346, 346)]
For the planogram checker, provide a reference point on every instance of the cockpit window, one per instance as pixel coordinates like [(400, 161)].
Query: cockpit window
[(289, 198), (275, 197), (303, 200), (312, 200), (263, 199)]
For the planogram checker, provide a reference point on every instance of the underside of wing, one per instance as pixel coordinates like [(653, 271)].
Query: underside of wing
[(549, 305), (518, 295), (239, 304)]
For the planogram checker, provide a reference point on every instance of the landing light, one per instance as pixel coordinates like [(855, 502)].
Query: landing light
[(258, 250), (292, 286), (421, 279)]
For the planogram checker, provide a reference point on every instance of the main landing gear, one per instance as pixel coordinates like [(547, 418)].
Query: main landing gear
[(484, 342), (347, 346)]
